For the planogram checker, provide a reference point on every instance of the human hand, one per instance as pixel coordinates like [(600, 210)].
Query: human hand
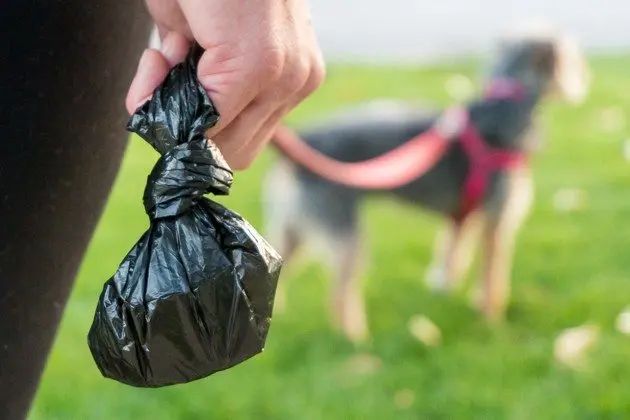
[(261, 59)]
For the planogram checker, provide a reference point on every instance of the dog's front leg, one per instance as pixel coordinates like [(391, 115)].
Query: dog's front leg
[(498, 244), (347, 300), (501, 223), (453, 255)]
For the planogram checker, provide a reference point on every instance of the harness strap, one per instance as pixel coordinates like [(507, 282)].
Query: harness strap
[(505, 88), (483, 162)]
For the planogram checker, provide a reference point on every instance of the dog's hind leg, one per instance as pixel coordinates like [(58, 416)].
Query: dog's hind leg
[(347, 301), (454, 252), (281, 210), (501, 224), (323, 216)]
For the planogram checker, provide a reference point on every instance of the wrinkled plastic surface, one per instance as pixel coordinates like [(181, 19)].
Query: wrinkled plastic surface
[(195, 294)]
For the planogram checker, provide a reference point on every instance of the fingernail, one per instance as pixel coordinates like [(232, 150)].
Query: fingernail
[(142, 72)]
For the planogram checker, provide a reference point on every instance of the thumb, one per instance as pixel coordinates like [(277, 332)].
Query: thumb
[(154, 66), (152, 69)]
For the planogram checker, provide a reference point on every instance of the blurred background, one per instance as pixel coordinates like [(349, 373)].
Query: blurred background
[(571, 279), (422, 31)]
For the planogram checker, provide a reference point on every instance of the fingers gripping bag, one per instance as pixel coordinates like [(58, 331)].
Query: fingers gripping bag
[(194, 295)]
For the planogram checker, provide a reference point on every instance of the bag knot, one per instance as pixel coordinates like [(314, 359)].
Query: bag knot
[(183, 175)]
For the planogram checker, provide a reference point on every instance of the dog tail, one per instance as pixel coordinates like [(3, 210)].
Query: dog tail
[(393, 169)]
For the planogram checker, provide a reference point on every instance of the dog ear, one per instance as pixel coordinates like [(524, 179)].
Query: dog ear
[(571, 75)]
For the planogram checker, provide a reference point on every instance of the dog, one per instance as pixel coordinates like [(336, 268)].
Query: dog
[(303, 203)]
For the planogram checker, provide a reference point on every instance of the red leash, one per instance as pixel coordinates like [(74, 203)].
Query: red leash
[(393, 169)]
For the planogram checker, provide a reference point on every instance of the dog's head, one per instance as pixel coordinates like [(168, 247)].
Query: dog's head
[(544, 59)]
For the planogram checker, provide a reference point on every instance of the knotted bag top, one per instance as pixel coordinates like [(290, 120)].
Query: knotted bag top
[(174, 122)]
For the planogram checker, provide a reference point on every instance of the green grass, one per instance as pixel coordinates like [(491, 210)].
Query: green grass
[(570, 268)]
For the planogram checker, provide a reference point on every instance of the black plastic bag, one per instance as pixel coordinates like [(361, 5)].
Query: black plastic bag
[(195, 294)]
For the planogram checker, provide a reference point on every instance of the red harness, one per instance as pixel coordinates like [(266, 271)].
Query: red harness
[(483, 162), (417, 156)]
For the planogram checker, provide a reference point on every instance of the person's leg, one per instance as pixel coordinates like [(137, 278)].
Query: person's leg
[(64, 70)]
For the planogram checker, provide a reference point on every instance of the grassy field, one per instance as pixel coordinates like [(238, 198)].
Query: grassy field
[(571, 268)]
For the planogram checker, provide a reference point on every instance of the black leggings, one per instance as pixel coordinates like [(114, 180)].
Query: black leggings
[(64, 70)]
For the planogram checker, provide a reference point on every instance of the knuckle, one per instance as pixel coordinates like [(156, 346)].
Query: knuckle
[(272, 62), (316, 76), (296, 77)]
